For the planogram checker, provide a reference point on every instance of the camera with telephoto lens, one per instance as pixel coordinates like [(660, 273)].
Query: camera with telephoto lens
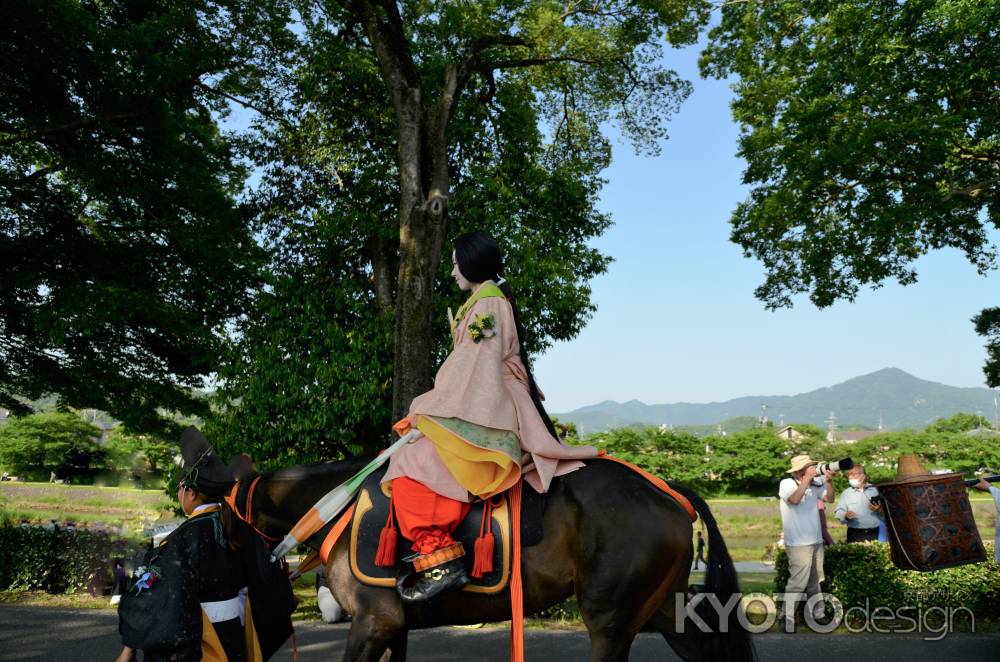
[(821, 467), (841, 465)]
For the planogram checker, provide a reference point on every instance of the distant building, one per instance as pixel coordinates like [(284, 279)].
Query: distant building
[(849, 436), (106, 428), (789, 432)]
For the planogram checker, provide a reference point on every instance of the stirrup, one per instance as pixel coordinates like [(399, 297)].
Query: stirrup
[(434, 573)]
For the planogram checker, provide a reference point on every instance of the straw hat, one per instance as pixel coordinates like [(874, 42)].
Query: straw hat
[(800, 462), (910, 469)]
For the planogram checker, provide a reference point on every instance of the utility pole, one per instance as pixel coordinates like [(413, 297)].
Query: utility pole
[(762, 419), (832, 427)]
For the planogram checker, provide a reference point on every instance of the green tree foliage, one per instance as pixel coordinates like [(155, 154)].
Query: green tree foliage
[(960, 422), (56, 441), (141, 456), (753, 461), (673, 456), (436, 67), (124, 250), (567, 431), (871, 136), (937, 450), (356, 300), (987, 324)]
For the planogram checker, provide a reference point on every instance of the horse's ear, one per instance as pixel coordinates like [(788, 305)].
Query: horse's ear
[(242, 466)]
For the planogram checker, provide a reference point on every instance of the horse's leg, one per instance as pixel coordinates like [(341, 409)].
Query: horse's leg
[(397, 646), (378, 623), (632, 550), (367, 640), (683, 641)]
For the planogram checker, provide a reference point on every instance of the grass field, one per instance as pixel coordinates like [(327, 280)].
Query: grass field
[(129, 510), (749, 524)]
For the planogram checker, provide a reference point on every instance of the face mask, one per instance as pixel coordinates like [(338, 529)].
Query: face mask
[(855, 482)]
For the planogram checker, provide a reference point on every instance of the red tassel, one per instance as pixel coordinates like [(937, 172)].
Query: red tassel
[(484, 556), (385, 556), (483, 550)]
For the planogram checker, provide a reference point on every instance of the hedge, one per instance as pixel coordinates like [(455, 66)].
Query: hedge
[(34, 558), (856, 572)]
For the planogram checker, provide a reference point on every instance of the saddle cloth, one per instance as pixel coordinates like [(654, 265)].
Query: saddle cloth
[(372, 510)]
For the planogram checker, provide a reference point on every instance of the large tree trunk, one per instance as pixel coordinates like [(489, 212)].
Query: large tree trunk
[(423, 195), (423, 213)]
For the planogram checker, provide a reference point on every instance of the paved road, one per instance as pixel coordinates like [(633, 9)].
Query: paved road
[(35, 633)]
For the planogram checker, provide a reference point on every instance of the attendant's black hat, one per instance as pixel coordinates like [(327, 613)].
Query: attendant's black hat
[(203, 470)]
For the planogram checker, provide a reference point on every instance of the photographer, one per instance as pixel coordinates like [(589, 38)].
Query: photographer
[(800, 496), (855, 508)]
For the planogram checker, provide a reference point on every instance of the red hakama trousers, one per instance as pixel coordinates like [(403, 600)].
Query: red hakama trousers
[(424, 516)]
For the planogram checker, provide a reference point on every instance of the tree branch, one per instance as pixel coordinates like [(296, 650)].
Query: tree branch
[(973, 190), (68, 126), (480, 44), (589, 11), (533, 62), (242, 102), (43, 172)]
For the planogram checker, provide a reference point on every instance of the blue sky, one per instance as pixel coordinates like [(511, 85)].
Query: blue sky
[(676, 317)]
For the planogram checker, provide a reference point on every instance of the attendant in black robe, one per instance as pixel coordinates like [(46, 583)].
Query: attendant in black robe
[(190, 599)]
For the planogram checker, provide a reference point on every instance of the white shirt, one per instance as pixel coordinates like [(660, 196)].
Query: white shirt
[(800, 522)]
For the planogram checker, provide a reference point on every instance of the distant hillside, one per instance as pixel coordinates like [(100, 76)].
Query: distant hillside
[(905, 400)]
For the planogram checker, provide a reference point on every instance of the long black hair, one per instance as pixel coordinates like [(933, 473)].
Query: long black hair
[(478, 257)]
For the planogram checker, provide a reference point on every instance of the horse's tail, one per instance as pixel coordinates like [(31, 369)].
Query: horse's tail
[(727, 641)]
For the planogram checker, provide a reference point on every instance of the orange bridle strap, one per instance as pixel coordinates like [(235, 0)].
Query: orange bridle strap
[(248, 515)]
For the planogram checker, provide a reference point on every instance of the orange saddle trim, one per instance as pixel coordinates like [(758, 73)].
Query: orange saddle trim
[(658, 482)]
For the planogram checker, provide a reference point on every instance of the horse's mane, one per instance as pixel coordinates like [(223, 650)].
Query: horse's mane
[(319, 469)]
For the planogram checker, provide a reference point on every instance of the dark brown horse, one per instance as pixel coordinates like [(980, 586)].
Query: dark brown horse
[(612, 538)]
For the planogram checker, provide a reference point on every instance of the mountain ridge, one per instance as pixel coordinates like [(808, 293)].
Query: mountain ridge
[(901, 399)]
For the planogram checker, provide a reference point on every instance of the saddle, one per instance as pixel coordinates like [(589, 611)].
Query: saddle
[(372, 510)]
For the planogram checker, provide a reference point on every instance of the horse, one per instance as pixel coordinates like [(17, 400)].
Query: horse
[(613, 539)]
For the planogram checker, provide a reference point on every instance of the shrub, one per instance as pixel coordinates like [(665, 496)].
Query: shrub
[(856, 572), (34, 558)]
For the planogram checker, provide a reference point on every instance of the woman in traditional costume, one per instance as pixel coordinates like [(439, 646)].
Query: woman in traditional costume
[(483, 425)]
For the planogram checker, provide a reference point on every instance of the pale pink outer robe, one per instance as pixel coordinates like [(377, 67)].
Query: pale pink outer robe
[(485, 383)]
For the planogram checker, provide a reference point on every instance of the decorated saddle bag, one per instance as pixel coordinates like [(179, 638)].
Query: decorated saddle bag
[(930, 523), (371, 513)]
